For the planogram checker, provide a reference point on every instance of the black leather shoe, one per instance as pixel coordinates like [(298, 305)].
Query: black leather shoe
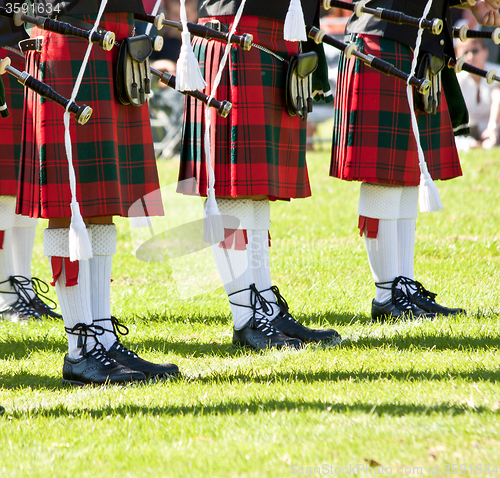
[(288, 326), (389, 310), (260, 334), (426, 300), (19, 312), (96, 367), (43, 309), (131, 360)]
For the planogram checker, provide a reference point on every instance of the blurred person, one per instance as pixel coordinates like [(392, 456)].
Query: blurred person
[(19, 300), (259, 157), (114, 167), (374, 143), (482, 99)]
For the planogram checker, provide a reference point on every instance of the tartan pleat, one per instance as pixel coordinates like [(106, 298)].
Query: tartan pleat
[(113, 153), (11, 128), (259, 149), (373, 140)]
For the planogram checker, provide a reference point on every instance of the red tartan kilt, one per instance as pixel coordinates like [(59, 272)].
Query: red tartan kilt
[(259, 149), (11, 127), (372, 139), (113, 153)]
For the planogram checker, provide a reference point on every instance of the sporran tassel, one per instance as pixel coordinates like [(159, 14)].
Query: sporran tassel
[(295, 25), (188, 71)]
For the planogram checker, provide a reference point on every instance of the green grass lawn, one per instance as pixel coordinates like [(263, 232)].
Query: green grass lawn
[(421, 395)]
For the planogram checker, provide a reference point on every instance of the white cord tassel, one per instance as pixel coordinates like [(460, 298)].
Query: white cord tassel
[(188, 72), (213, 228), (428, 193), (80, 247), (295, 25), (429, 200)]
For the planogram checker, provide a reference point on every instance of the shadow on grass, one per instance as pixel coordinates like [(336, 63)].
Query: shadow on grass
[(25, 379), (258, 407), (19, 349), (426, 342)]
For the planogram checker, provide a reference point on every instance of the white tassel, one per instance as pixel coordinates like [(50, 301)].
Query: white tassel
[(295, 25), (188, 72), (213, 228), (428, 194), (429, 200), (80, 247)]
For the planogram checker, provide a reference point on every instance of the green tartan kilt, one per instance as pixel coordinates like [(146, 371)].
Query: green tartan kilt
[(11, 128), (259, 149), (372, 138), (113, 153)]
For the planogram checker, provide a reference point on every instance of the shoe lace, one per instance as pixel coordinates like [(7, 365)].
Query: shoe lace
[(99, 353), (40, 288), (84, 331), (282, 304), (402, 290), (400, 295), (412, 287), (23, 285), (258, 303), (262, 324), (117, 328), (261, 309)]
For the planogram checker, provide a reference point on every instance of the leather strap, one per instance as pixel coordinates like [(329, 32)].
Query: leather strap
[(31, 44)]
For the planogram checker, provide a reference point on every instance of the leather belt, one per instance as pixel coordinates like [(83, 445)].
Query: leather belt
[(217, 25)]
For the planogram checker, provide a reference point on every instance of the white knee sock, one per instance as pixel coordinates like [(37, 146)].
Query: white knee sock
[(7, 215), (232, 259), (23, 240), (258, 253), (406, 247), (103, 249), (383, 257), (382, 203), (74, 300), (408, 212)]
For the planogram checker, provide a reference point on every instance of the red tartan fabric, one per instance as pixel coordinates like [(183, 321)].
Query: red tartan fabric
[(11, 128), (259, 149), (373, 139), (113, 153)]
